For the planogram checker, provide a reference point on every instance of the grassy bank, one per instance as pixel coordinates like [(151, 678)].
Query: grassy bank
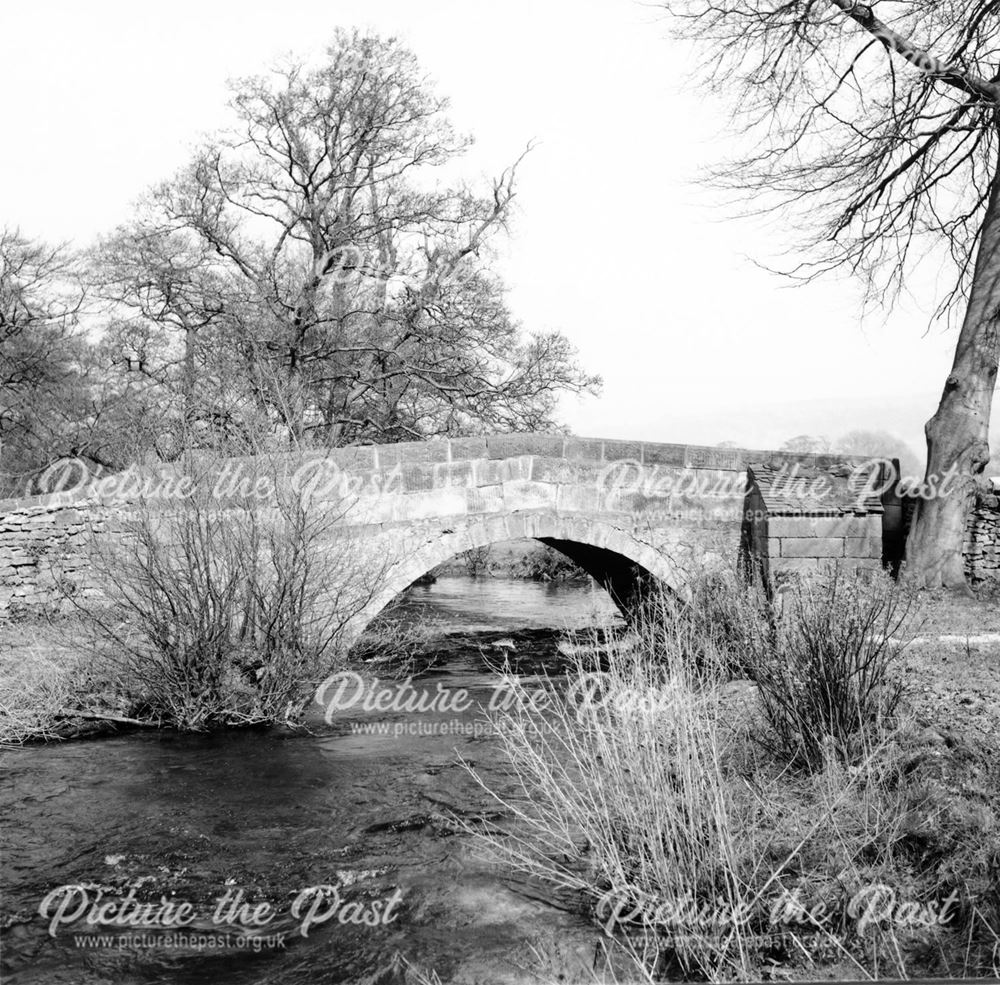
[(709, 839)]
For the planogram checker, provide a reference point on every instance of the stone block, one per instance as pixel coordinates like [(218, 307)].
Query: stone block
[(514, 445), (453, 474), (584, 449), (430, 505), (372, 510), (516, 527), (863, 547), (484, 499), (619, 451), (625, 502), (417, 478), (810, 547), (489, 473), (496, 528), (797, 566), (519, 494), (662, 454), (410, 452), (576, 498), (462, 449), (825, 526), (538, 525), (864, 564), (561, 470)]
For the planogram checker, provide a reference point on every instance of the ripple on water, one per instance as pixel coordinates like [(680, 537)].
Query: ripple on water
[(274, 812)]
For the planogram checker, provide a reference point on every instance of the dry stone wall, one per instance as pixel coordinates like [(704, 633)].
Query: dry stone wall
[(982, 540)]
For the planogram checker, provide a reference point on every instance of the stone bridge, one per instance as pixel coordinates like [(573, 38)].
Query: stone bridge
[(624, 511)]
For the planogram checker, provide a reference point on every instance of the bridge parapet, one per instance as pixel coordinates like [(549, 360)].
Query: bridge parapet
[(656, 505)]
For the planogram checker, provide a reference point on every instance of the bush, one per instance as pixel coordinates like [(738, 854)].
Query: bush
[(227, 613), (827, 675), (477, 561), (544, 563)]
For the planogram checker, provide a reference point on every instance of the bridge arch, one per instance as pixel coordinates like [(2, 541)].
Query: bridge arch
[(619, 560)]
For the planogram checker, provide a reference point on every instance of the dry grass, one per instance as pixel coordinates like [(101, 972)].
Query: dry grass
[(43, 675), (34, 690), (948, 613), (642, 801)]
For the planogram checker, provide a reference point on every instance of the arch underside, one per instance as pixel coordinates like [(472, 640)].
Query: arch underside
[(618, 560)]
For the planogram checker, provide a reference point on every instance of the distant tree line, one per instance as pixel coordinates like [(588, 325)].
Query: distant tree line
[(870, 443)]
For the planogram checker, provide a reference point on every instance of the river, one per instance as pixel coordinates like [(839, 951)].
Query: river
[(217, 825)]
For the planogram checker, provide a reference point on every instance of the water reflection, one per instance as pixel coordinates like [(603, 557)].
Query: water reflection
[(478, 604)]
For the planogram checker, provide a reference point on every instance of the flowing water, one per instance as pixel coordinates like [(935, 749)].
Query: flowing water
[(365, 802)]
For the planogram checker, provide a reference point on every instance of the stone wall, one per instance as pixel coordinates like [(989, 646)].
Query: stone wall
[(417, 499), (44, 554), (982, 540), (662, 506), (982, 536)]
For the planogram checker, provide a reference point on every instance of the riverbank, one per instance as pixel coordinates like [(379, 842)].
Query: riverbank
[(47, 693), (525, 558), (51, 689), (839, 814)]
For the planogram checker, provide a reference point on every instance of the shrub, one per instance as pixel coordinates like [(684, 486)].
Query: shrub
[(34, 689), (544, 563), (226, 613), (827, 674), (477, 561)]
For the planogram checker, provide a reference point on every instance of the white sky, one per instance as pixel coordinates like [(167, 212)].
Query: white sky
[(614, 243)]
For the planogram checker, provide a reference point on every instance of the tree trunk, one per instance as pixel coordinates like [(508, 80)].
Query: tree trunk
[(957, 435)]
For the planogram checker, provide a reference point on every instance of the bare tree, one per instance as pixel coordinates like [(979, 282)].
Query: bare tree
[(312, 252), (879, 124), (42, 357), (37, 326), (60, 392)]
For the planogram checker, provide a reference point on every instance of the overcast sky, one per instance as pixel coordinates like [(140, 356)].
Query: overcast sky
[(614, 242)]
